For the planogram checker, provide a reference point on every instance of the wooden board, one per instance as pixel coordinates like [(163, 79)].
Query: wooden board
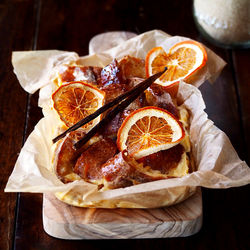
[(67, 222)]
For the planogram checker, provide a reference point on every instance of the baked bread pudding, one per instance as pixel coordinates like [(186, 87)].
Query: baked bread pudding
[(146, 141)]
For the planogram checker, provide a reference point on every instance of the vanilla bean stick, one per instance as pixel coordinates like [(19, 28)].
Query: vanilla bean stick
[(98, 112), (133, 94)]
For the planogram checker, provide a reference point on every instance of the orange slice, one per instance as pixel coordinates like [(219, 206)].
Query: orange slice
[(183, 60), (149, 130), (76, 100)]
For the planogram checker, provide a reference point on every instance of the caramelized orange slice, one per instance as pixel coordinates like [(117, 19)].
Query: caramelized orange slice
[(183, 60), (149, 130), (76, 100)]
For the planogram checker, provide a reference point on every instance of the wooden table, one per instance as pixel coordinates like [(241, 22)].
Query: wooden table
[(69, 25)]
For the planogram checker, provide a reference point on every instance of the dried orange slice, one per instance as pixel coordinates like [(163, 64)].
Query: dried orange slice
[(76, 100), (149, 130), (183, 60)]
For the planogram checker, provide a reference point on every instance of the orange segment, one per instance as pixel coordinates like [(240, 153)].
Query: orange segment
[(76, 100), (149, 130), (183, 60)]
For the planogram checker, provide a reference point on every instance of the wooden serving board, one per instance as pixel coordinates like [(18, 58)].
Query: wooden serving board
[(67, 222)]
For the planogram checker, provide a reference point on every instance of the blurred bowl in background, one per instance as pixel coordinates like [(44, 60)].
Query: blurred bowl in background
[(225, 23)]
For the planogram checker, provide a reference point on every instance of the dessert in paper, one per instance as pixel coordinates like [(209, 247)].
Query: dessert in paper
[(125, 174)]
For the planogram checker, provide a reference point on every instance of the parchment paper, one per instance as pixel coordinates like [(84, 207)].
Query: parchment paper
[(218, 165)]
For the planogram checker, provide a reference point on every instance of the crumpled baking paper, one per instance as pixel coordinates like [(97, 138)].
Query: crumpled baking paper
[(218, 165)]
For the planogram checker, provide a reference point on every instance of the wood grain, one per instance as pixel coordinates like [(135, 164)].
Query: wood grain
[(242, 77), (221, 106), (76, 22), (67, 222), (13, 102)]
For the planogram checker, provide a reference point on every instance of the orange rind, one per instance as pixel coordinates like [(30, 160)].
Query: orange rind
[(76, 100), (182, 61), (149, 130)]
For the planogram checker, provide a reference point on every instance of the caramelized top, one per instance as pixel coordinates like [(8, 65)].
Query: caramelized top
[(89, 163), (80, 73), (164, 160), (67, 156), (111, 74), (99, 161)]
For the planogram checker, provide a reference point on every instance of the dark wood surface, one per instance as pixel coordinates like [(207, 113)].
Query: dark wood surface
[(69, 25)]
